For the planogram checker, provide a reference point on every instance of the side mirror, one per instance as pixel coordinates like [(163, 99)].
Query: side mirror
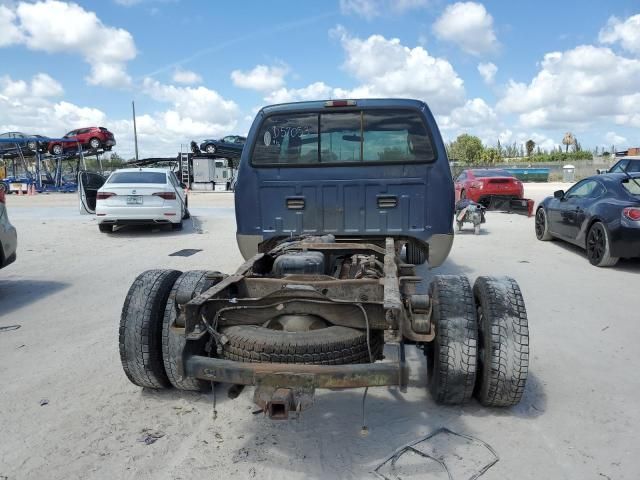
[(559, 194)]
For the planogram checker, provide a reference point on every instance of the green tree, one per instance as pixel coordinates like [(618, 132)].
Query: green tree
[(466, 148), (491, 155), (530, 145)]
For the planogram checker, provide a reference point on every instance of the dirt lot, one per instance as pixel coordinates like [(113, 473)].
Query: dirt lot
[(67, 411)]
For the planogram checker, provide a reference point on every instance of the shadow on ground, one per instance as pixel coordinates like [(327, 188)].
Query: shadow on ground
[(189, 226), (14, 294), (631, 265)]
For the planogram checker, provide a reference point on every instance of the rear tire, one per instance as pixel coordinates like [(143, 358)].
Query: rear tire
[(210, 148), (105, 228), (451, 357), (140, 334), (542, 226), (188, 285), (503, 359), (598, 246), (57, 149)]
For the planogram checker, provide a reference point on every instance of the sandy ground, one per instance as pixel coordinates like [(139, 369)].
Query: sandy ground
[(578, 418)]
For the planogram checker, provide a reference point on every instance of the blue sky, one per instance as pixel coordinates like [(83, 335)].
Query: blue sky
[(500, 70)]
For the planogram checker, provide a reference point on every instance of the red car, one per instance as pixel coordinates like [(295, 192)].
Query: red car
[(90, 137), (480, 185)]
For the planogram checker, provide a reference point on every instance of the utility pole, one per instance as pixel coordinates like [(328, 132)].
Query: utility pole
[(135, 131)]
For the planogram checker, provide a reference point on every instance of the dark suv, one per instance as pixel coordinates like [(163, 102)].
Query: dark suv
[(93, 138)]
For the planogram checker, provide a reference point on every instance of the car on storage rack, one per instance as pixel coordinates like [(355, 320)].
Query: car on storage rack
[(134, 196), (94, 138), (28, 143), (329, 195), (8, 234), (231, 145), (600, 214)]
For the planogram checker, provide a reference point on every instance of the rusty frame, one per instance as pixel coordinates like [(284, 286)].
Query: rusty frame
[(241, 296), (284, 375)]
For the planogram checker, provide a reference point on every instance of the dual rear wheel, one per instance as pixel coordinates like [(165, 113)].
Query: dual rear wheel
[(481, 346), (151, 336)]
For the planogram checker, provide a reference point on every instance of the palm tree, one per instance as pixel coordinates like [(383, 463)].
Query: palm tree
[(568, 139), (530, 145)]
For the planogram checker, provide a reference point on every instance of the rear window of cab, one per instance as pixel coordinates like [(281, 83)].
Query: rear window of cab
[(138, 177), (343, 138)]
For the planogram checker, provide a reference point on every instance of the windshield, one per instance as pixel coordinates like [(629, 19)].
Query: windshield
[(491, 173), (369, 136), (138, 177)]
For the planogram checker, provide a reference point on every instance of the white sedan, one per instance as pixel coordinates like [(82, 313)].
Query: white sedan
[(135, 196)]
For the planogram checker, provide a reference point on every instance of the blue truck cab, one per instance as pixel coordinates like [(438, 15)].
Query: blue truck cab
[(355, 169)]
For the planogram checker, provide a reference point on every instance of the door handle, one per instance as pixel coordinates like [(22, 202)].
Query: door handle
[(387, 201), (295, 203)]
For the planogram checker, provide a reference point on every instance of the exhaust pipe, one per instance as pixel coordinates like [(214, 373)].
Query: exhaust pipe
[(280, 404)]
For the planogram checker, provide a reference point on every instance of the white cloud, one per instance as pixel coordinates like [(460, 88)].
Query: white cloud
[(626, 32), (469, 26), (615, 139), (577, 87), (473, 113), (386, 68), (186, 77), (194, 110), (28, 105), (487, 72), (39, 115), (363, 8), (60, 27), (315, 91), (370, 9), (9, 32), (41, 86), (262, 78)]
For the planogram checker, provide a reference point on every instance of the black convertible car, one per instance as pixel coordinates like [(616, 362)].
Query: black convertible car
[(600, 214)]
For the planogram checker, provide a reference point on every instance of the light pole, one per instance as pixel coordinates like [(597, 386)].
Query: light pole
[(135, 131)]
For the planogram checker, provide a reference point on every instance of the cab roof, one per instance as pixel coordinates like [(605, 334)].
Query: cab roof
[(359, 104)]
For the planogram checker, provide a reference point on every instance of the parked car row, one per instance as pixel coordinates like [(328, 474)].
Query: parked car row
[(600, 214), (89, 138)]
